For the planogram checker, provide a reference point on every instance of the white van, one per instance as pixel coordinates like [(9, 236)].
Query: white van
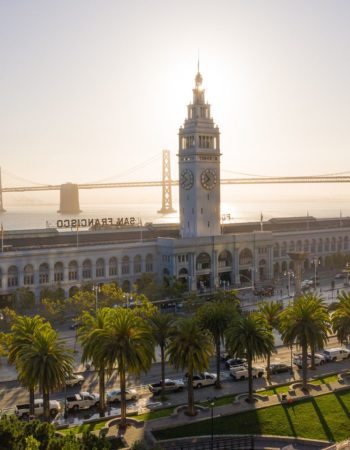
[(336, 354)]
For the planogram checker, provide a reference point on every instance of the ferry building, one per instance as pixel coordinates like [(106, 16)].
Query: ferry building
[(200, 251)]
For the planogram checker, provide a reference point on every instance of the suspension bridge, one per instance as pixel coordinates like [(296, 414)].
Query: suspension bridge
[(69, 192)]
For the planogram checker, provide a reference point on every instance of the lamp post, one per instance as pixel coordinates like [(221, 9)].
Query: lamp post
[(127, 297), (212, 425), (315, 261), (288, 273), (96, 288)]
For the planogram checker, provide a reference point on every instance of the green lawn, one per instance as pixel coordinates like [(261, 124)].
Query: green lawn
[(284, 388), (325, 417), (84, 427)]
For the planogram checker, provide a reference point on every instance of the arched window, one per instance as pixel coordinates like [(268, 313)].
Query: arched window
[(313, 246), (291, 246), (333, 244), (12, 276), (246, 257), (346, 243), (149, 263), (87, 269), (326, 246), (137, 264), (44, 273), (320, 246), (58, 272), (225, 259), (113, 266), (276, 250), (125, 265), (339, 244), (284, 249), (28, 275), (306, 245), (100, 268), (299, 246), (72, 271), (203, 261)]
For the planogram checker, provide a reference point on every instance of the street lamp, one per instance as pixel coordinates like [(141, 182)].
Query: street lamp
[(290, 274), (96, 288), (212, 404), (315, 261), (128, 297)]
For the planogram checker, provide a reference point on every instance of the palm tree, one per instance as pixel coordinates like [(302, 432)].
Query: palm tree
[(216, 317), (128, 341), (270, 311), (161, 325), (251, 337), (306, 323), (45, 362), (22, 332), (320, 338), (89, 336), (190, 348), (341, 317)]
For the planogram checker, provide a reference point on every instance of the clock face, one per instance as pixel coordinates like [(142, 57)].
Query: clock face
[(186, 179), (208, 179)]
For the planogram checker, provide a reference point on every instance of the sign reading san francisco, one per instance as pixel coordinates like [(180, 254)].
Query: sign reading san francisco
[(92, 222)]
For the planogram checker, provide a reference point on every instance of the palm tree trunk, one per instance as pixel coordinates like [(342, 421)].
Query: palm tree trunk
[(190, 393), (304, 363), (218, 380), (101, 381), (268, 372), (162, 367), (250, 380), (31, 400), (122, 397), (46, 401), (313, 365)]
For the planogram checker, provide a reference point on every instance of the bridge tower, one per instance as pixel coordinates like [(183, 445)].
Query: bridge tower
[(2, 209), (167, 202), (69, 199)]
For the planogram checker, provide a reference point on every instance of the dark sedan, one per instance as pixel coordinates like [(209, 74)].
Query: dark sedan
[(279, 368)]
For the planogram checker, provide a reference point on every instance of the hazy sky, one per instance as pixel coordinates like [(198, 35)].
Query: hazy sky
[(91, 89)]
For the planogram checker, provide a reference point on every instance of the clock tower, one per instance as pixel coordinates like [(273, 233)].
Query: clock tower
[(199, 169)]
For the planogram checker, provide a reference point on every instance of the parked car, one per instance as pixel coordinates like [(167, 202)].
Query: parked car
[(298, 359), (241, 373), (169, 386), (234, 362), (340, 276), (22, 410), (83, 400), (306, 284), (203, 379), (75, 379), (115, 395), (336, 354), (320, 358), (279, 368)]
